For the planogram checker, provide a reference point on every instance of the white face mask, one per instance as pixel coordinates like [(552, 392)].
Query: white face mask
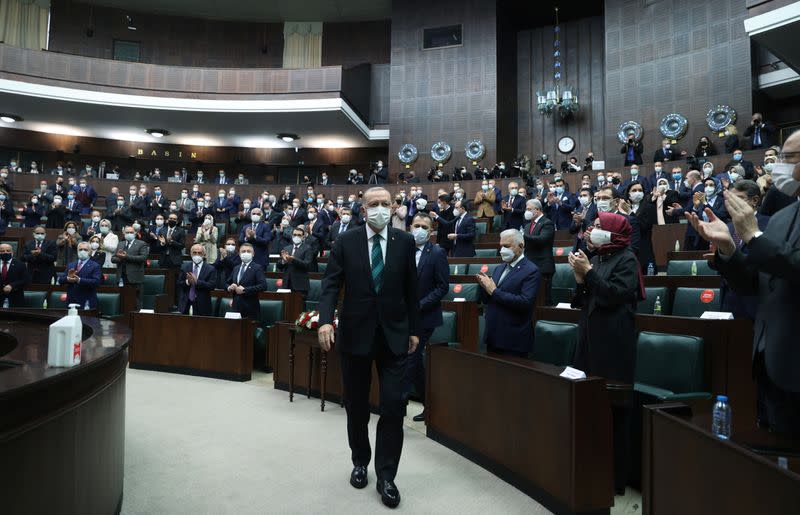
[(94, 245), (297, 240), (420, 235), (197, 259), (312, 216), (707, 172), (70, 230), (207, 222), (83, 254), (734, 176), (599, 237), (657, 169), (528, 215), (159, 223), (230, 248), (246, 257), (378, 216), (584, 201), (637, 196), (783, 178), (456, 212), (662, 188), (95, 219), (710, 190), (246, 205), (255, 218), (346, 219), (507, 254), (513, 191), (603, 206)]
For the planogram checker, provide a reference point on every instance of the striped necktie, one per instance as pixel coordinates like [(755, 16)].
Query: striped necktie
[(377, 263)]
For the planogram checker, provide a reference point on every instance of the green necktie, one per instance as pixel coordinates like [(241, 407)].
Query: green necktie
[(377, 263)]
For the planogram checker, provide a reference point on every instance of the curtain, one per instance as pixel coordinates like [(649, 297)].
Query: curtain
[(23, 23), (302, 44)]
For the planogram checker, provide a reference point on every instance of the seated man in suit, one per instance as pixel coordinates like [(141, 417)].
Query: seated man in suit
[(509, 296), (460, 231), (130, 259), (433, 275), (227, 260), (258, 235), (40, 255), (245, 282), (345, 223), (296, 261), (513, 207), (83, 277), (195, 283), (13, 278), (539, 233)]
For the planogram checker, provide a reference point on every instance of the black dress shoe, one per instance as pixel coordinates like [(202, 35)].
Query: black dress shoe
[(419, 418), (390, 495), (358, 478)]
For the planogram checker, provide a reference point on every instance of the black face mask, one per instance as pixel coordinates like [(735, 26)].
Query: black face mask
[(172, 223), (615, 180), (6, 256)]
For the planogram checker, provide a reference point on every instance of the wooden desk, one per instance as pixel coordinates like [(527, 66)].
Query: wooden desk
[(204, 346), (687, 470), (548, 436), (62, 430)]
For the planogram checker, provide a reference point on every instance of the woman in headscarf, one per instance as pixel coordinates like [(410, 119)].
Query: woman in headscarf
[(710, 197), (609, 287)]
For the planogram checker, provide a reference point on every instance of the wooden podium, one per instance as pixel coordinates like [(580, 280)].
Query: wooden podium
[(195, 345)]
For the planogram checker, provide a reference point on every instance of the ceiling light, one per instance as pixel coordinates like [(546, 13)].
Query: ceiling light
[(157, 133), (288, 138), (10, 118)]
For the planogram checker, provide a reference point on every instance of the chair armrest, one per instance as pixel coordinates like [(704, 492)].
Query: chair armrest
[(676, 397), (667, 395)]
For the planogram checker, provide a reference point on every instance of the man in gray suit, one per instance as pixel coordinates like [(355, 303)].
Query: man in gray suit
[(130, 259)]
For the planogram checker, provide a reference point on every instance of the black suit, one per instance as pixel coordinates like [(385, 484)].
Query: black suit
[(334, 232), (374, 325), (17, 277), (206, 281), (172, 257), (539, 250), (295, 272), (254, 282), (766, 133), (41, 266), (638, 149), (663, 155)]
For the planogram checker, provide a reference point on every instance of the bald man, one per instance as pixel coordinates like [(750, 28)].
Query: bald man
[(195, 282), (771, 270), (13, 278)]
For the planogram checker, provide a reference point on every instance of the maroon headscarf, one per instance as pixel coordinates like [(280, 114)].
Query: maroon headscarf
[(620, 230)]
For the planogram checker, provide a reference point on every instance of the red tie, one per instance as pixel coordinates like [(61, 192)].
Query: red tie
[(80, 265), (4, 272), (533, 226)]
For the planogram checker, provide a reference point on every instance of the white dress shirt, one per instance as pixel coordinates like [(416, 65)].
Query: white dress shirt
[(384, 236), (420, 250)]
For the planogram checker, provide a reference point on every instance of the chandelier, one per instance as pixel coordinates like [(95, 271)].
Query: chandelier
[(558, 98)]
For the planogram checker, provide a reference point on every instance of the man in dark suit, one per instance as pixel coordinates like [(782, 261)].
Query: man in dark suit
[(433, 275), (130, 259), (297, 215), (460, 231), (738, 159), (296, 261), (509, 296), (86, 195), (513, 207), (195, 282), (761, 133), (40, 255), (72, 209), (770, 270), (111, 200), (324, 180), (444, 216), (379, 322), (667, 152), (245, 283), (198, 214), (222, 179), (222, 208), (344, 224), (83, 277), (381, 173), (539, 233), (173, 241), (560, 205), (259, 235), (13, 278), (633, 150)]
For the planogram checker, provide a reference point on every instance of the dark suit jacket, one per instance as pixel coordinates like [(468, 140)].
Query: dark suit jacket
[(295, 272), (74, 213), (254, 282), (561, 214), (509, 310), (260, 242), (394, 308), (334, 232), (433, 276), (33, 215), (224, 267), (86, 290), (539, 245), (173, 258), (41, 267), (464, 244), (516, 217), (767, 135), (742, 306), (300, 217), (771, 270), (671, 154), (16, 276), (206, 281), (132, 266), (638, 149)]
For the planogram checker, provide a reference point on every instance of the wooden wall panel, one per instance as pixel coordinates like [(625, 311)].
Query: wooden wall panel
[(353, 43)]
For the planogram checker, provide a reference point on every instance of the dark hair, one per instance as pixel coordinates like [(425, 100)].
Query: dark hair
[(424, 216), (750, 188), (613, 191), (444, 197), (588, 190)]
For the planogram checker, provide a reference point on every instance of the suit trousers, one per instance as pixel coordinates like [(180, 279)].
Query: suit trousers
[(547, 286), (777, 409), (415, 372), (357, 377)]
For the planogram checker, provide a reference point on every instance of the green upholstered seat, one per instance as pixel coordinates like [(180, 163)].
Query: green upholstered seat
[(272, 283), (554, 342), (222, 230), (692, 302), (109, 280), (480, 229), (151, 263), (272, 267), (669, 366), (314, 293), (54, 300), (468, 291), (321, 267), (497, 223), (486, 252), (153, 285), (647, 306), (486, 268), (684, 267), (563, 283), (271, 313), (109, 304), (459, 269), (446, 332), (224, 306), (561, 251), (33, 299)]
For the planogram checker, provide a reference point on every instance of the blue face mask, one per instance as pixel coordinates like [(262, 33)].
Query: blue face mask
[(737, 157), (676, 176), (70, 197), (559, 190)]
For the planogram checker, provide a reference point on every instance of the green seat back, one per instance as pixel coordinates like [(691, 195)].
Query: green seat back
[(486, 252), (563, 285), (481, 227), (497, 223), (33, 299), (224, 306), (646, 306), (669, 361), (272, 267), (684, 267), (314, 292), (151, 263), (54, 300), (692, 302), (222, 230), (561, 251), (488, 270), (459, 269), (153, 285), (321, 267), (446, 332), (554, 342), (271, 312), (272, 283), (109, 304), (468, 291), (109, 280)]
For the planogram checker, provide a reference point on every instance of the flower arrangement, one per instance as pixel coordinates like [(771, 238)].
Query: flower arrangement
[(309, 320)]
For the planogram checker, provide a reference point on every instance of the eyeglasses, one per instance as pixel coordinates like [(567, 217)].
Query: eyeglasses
[(783, 155)]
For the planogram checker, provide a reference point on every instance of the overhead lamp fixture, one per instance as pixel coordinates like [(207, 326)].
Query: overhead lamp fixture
[(131, 25), (10, 118), (288, 138), (561, 99), (158, 133)]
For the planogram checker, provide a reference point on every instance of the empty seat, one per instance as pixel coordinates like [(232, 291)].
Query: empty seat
[(486, 252), (271, 313), (563, 285), (273, 284), (684, 267), (561, 251), (33, 299), (57, 300), (321, 267), (460, 269), (153, 285), (109, 304), (692, 302), (468, 291), (554, 342), (314, 292), (109, 280), (222, 229), (497, 223), (647, 306), (446, 332), (486, 268), (669, 366)]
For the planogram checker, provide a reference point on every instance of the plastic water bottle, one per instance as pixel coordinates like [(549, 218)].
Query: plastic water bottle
[(86, 306), (120, 282), (677, 246), (657, 306), (721, 418), (651, 270), (694, 267), (6, 305), (44, 304)]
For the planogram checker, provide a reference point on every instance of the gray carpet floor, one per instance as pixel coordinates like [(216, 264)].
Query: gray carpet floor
[(196, 446)]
